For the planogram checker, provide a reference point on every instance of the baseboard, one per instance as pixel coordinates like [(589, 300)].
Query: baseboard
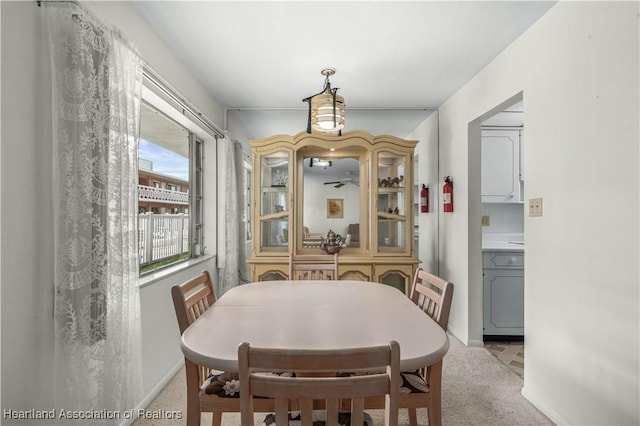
[(475, 343), (146, 400), (543, 407), (470, 343), (502, 338)]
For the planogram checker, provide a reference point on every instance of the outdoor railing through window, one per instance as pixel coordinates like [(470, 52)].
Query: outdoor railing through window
[(163, 195), (162, 236)]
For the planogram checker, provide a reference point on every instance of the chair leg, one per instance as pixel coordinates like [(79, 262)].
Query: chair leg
[(193, 398), (434, 378), (413, 416), (217, 418)]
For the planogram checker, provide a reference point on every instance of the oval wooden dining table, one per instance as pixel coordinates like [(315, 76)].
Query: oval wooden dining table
[(314, 315)]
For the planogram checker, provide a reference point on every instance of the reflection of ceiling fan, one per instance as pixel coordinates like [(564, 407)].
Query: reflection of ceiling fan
[(341, 183), (318, 162)]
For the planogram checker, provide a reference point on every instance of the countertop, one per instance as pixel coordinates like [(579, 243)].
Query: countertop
[(503, 242)]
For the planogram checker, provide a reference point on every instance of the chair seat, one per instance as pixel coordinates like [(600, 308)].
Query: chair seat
[(226, 384), (410, 381), (413, 382), (221, 383)]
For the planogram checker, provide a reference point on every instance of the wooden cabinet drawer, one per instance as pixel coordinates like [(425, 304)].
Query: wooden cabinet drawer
[(354, 272), (503, 260)]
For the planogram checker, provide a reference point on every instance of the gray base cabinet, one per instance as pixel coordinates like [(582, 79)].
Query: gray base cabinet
[(503, 294)]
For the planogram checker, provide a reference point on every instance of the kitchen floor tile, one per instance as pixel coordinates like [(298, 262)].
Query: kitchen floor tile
[(510, 354)]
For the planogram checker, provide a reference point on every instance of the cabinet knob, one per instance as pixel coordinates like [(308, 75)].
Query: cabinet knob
[(514, 260)]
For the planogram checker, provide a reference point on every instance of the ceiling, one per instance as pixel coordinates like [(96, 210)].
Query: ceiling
[(396, 61)]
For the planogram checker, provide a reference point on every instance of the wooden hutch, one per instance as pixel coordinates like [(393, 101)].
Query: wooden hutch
[(299, 196)]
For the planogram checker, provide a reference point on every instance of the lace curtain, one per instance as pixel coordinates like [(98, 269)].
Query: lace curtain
[(96, 84), (233, 254)]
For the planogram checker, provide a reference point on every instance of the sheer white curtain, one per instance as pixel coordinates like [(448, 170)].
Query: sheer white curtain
[(233, 251), (96, 84)]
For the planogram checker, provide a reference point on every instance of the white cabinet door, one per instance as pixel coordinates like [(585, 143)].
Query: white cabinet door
[(501, 166)]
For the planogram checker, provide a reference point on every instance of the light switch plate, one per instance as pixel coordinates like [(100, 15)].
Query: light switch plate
[(535, 207), (485, 220)]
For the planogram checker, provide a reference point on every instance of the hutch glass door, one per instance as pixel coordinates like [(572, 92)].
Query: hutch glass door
[(392, 203), (274, 201)]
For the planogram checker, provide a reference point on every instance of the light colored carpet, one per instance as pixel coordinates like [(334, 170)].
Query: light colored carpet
[(477, 389)]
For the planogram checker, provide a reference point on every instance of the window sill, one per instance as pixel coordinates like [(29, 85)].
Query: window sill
[(171, 270)]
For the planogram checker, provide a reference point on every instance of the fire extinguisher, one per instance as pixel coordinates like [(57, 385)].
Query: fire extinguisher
[(447, 195), (424, 199)]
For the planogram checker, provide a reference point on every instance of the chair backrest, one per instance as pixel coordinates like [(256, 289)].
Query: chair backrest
[(313, 267), (433, 295), (190, 300), (316, 380)]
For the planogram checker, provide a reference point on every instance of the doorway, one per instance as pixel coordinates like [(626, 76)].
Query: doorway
[(496, 145)]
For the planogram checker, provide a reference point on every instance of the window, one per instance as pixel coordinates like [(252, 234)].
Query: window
[(170, 121), (166, 158)]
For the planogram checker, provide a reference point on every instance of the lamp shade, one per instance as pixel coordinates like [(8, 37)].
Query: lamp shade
[(326, 109), (323, 118)]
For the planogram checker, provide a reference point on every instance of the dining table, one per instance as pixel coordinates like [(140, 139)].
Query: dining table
[(331, 314), (314, 314)]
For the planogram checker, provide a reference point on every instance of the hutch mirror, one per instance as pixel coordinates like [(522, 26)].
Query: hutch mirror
[(331, 199)]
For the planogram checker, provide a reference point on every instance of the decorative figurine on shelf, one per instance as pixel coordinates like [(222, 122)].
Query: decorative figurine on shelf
[(332, 243), (390, 182), (396, 181)]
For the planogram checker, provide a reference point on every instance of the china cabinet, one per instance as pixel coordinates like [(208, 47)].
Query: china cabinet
[(357, 185)]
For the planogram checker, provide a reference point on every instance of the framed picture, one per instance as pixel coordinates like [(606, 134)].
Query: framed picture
[(334, 208)]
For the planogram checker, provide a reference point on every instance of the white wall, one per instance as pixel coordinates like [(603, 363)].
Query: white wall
[(27, 241), (427, 150), (577, 69), (161, 352)]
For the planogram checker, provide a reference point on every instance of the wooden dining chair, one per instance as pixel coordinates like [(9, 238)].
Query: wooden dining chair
[(316, 380), (313, 267), (433, 295), (205, 386), (423, 388)]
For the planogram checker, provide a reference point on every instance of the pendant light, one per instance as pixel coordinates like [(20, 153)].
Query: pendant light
[(326, 109)]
